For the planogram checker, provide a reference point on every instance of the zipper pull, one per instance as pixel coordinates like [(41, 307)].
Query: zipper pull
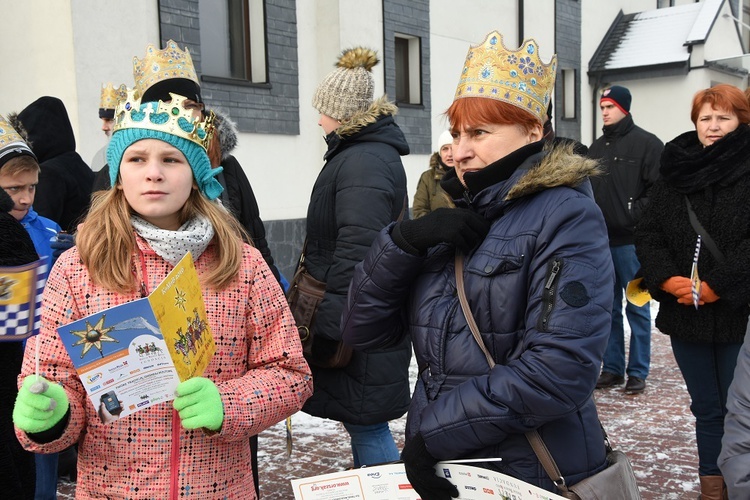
[(467, 198), (552, 274)]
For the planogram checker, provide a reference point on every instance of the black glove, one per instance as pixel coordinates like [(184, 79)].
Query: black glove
[(420, 470), (460, 227), (60, 243), (323, 349)]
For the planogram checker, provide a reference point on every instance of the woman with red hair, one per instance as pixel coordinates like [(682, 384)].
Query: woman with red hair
[(698, 210), (538, 277)]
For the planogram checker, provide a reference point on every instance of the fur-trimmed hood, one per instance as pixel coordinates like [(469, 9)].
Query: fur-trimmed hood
[(227, 131), (529, 170), (560, 167), (358, 121)]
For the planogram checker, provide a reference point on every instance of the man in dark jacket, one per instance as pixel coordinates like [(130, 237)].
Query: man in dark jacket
[(65, 180), (629, 157), (360, 190)]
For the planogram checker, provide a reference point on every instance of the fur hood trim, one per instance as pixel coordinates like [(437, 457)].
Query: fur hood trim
[(227, 131), (360, 120), (560, 167)]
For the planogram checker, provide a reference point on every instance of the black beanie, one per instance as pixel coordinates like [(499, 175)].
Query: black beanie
[(180, 86), (619, 96), (16, 247)]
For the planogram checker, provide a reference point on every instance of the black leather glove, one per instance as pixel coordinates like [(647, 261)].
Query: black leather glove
[(420, 470), (460, 227), (323, 349)]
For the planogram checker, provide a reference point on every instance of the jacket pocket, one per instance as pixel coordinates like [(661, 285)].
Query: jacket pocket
[(488, 265)]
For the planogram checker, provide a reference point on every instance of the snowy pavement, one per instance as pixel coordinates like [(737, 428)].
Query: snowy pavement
[(655, 429)]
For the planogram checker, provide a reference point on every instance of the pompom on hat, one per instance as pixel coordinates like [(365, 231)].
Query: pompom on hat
[(350, 87), (171, 123), (11, 143), (619, 96)]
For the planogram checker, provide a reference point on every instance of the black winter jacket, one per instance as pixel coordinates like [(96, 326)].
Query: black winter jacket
[(716, 179), (629, 157), (65, 180), (540, 287), (359, 191)]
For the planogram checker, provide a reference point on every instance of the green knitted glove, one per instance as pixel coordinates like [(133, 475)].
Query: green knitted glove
[(39, 405), (199, 404)]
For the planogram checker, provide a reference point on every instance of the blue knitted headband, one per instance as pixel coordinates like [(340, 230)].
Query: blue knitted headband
[(204, 175)]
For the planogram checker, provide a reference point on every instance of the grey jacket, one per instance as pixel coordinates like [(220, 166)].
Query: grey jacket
[(734, 459)]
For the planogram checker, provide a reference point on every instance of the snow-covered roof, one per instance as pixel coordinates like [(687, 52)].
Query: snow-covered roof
[(655, 37)]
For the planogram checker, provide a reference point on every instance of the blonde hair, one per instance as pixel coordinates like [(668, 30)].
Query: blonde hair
[(106, 240), (18, 164)]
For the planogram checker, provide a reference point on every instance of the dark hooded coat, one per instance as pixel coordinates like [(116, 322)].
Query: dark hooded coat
[(359, 191), (540, 287), (65, 180)]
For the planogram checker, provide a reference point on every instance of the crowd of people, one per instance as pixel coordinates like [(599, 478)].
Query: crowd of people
[(506, 281)]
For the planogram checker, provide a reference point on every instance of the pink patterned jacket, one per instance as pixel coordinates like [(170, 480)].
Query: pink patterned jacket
[(258, 368)]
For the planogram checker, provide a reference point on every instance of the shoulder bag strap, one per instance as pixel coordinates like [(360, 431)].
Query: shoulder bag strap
[(535, 440), (705, 237), (459, 268)]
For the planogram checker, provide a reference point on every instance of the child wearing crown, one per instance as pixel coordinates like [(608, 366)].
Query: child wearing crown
[(162, 205), (538, 281)]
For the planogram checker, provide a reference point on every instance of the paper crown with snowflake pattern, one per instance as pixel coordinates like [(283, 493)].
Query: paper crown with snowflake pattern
[(158, 65), (518, 77)]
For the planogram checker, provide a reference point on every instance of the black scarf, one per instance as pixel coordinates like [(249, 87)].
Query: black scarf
[(493, 173), (689, 167)]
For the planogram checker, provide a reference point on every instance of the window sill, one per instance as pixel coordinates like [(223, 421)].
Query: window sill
[(235, 81)]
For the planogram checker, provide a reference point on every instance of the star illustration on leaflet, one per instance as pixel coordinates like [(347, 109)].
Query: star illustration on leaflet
[(180, 299), (93, 336)]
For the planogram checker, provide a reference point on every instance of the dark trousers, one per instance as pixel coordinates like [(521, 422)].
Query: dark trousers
[(708, 370)]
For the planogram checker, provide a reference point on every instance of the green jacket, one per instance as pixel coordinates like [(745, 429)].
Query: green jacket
[(430, 195)]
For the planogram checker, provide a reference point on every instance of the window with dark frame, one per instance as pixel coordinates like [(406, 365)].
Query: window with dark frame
[(233, 39), (407, 69), (402, 69)]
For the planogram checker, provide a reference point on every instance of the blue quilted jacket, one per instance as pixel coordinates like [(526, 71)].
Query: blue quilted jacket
[(540, 287)]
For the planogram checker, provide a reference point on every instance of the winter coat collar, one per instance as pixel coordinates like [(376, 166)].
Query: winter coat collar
[(620, 128), (526, 171), (688, 167), (439, 169), (376, 124)]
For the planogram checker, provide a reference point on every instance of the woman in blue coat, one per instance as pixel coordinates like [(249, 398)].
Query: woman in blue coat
[(538, 276)]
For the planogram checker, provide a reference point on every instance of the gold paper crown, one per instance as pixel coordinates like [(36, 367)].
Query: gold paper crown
[(158, 65), (111, 96), (171, 118), (518, 77), (8, 134)]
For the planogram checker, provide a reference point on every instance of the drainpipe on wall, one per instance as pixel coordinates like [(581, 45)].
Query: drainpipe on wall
[(595, 107), (520, 22)]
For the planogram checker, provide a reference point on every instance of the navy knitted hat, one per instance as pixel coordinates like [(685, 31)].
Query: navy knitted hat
[(619, 96)]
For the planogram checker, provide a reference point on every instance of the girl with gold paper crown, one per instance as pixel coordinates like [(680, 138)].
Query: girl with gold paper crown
[(163, 205), (539, 281)]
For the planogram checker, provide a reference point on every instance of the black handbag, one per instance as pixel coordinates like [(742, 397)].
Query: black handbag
[(616, 482)]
